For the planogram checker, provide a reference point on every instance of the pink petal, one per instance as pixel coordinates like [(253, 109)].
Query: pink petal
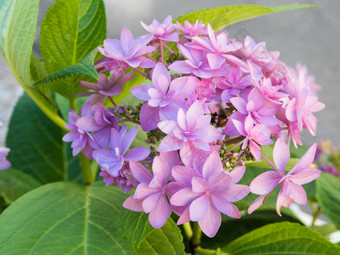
[(212, 165), (235, 213), (281, 155), (88, 124), (298, 194), (212, 222), (149, 117), (141, 91), (305, 161), (143, 190), (236, 192), (133, 204), (255, 150), (283, 199), (221, 203), (183, 197), (160, 214), (265, 183), (199, 208), (305, 176), (161, 169), (185, 217), (199, 185), (170, 143), (240, 104), (184, 174), (237, 173), (257, 203), (151, 201), (140, 173)]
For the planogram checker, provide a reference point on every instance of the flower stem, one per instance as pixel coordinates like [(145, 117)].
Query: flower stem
[(162, 50), (187, 230), (271, 164), (86, 170), (142, 73), (113, 102), (202, 251), (196, 236)]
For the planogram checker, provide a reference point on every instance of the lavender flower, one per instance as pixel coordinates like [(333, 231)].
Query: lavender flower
[(4, 164)]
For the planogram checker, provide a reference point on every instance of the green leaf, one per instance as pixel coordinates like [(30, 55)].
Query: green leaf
[(328, 197), (67, 218), (36, 143), (220, 17), (71, 30), (167, 240), (281, 238), (14, 183), (242, 226), (17, 30), (84, 66)]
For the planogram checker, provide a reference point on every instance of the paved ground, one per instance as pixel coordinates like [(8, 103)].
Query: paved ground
[(310, 36)]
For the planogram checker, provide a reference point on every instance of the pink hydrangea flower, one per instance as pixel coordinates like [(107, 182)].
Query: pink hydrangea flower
[(164, 96), (190, 127), (208, 190), (190, 30), (4, 164), (163, 31), (150, 195), (104, 87), (291, 189), (197, 63), (129, 50)]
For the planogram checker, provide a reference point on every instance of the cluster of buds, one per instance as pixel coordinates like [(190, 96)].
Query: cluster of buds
[(212, 103)]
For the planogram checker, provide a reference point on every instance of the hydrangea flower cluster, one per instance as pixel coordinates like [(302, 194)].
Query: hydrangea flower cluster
[(327, 158), (210, 104)]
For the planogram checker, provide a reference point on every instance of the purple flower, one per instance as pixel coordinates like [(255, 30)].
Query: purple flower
[(163, 95), (150, 195), (4, 164), (82, 141), (232, 84), (128, 50), (191, 127), (254, 135), (260, 110), (291, 189), (112, 160), (104, 87), (218, 48), (190, 30), (165, 31), (197, 63), (116, 67), (124, 180), (208, 192), (99, 125)]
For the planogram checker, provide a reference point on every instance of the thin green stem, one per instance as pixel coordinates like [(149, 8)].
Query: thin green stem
[(316, 211), (73, 104), (196, 236), (187, 230), (202, 251), (86, 170), (94, 169)]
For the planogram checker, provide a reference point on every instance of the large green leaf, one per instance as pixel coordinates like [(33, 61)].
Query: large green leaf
[(220, 17), (17, 30), (70, 30), (242, 226), (167, 240), (84, 66), (68, 218), (14, 183), (281, 238), (328, 196), (36, 145)]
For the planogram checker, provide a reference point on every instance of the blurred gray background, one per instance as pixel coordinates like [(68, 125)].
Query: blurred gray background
[(310, 36)]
